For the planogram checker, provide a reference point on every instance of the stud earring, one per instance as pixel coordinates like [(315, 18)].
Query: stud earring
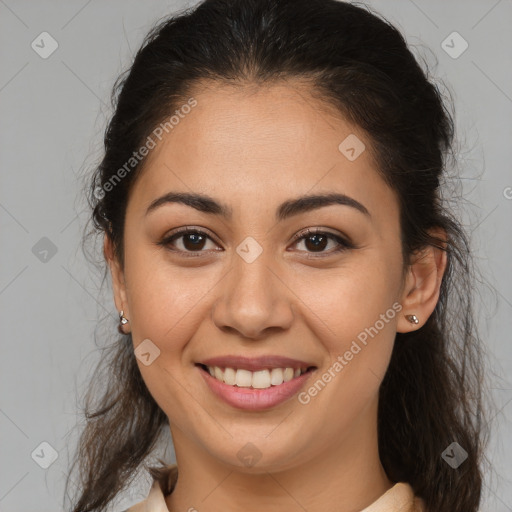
[(413, 319), (122, 321)]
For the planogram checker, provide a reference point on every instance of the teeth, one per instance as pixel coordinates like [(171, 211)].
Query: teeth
[(243, 378), (276, 376), (288, 374), (230, 376), (260, 379), (218, 373)]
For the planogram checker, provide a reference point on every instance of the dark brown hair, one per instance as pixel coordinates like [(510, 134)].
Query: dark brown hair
[(358, 63)]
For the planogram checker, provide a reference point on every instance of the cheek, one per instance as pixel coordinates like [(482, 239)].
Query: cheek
[(360, 340), (351, 299), (358, 307), (164, 300), (167, 306)]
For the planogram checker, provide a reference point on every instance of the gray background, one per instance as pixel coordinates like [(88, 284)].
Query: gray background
[(53, 113)]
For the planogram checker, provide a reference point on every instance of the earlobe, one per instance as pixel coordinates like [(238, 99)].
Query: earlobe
[(422, 285), (117, 274)]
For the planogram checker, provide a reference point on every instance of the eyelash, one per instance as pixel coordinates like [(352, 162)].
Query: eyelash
[(343, 243)]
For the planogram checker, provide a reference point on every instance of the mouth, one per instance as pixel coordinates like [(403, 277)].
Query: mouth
[(258, 379), (254, 383)]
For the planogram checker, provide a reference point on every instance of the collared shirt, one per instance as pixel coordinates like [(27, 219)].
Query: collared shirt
[(400, 498)]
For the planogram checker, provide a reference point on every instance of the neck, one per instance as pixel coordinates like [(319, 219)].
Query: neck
[(346, 476)]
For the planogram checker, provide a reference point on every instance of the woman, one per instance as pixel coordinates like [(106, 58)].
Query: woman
[(294, 298)]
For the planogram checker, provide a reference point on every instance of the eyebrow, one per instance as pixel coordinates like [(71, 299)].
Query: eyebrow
[(289, 208)]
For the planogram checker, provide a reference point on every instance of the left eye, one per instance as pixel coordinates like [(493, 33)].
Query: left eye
[(319, 239), (194, 241)]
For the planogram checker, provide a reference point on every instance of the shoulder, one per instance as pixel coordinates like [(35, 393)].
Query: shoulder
[(400, 498), (164, 480)]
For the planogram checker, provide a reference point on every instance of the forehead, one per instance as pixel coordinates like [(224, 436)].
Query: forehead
[(255, 143)]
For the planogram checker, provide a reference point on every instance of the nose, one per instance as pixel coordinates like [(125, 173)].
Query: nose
[(254, 300)]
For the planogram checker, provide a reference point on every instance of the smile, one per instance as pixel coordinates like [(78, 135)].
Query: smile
[(256, 390), (261, 379)]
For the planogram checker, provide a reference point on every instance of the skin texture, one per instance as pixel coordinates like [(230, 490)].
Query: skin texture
[(252, 149)]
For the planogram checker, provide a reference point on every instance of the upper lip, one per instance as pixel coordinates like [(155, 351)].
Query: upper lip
[(255, 363)]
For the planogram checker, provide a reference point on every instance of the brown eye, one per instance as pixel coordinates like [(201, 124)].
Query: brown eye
[(186, 240), (193, 241), (317, 241), (189, 241)]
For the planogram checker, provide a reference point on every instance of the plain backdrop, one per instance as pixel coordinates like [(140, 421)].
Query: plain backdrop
[(53, 114)]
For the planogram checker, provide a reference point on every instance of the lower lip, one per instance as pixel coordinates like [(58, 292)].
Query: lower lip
[(251, 398)]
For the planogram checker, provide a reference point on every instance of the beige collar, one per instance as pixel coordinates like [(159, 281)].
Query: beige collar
[(400, 498)]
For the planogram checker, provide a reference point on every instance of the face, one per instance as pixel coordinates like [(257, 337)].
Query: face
[(250, 282)]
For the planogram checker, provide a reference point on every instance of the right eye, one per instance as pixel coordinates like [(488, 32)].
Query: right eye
[(193, 240)]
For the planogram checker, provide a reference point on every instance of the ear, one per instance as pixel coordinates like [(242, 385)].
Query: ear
[(118, 283), (423, 283)]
